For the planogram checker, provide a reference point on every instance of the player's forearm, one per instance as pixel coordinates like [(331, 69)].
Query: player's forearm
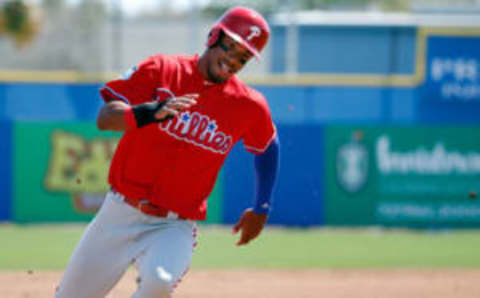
[(112, 116), (119, 116), (266, 167)]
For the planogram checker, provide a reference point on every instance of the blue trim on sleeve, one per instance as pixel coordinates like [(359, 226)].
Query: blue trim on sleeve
[(266, 168), (117, 95)]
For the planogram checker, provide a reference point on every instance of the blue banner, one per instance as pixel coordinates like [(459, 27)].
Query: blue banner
[(452, 70), (451, 92)]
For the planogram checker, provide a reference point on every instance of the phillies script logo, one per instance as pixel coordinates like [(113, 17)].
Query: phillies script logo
[(199, 130)]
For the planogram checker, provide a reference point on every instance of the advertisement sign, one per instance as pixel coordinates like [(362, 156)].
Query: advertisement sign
[(416, 176), (61, 170), (453, 68)]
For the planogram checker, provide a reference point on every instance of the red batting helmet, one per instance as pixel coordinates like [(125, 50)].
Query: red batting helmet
[(245, 26)]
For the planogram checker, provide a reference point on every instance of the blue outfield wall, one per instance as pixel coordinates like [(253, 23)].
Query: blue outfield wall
[(289, 104), (319, 104), (439, 112), (395, 77), (301, 113), (5, 170), (299, 192), (49, 101), (45, 102)]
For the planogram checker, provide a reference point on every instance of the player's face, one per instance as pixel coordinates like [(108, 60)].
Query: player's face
[(227, 58)]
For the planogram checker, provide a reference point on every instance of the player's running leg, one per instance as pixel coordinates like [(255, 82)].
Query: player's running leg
[(103, 254), (166, 260)]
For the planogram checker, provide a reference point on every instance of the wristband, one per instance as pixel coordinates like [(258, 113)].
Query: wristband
[(143, 114)]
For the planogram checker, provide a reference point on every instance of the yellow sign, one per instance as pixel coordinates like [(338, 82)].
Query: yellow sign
[(80, 167)]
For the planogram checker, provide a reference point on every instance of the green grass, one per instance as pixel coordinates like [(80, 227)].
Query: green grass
[(49, 247), (37, 246)]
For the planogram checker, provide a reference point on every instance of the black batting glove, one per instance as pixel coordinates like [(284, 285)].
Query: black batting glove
[(145, 113)]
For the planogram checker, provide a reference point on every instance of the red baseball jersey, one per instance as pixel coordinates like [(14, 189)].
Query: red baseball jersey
[(174, 164)]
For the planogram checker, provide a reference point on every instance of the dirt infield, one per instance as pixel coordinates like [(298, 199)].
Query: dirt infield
[(279, 284)]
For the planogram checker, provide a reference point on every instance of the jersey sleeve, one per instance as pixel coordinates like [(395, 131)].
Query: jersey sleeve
[(135, 86), (261, 131)]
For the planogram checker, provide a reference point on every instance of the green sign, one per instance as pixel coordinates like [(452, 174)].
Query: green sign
[(402, 175), (61, 172)]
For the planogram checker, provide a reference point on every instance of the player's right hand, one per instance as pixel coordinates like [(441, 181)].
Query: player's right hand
[(176, 106)]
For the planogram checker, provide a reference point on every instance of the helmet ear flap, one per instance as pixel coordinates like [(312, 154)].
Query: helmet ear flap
[(213, 36)]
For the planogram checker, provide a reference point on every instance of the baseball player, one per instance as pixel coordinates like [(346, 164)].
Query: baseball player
[(181, 116)]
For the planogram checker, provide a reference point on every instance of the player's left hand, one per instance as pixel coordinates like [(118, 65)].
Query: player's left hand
[(250, 225), (173, 107)]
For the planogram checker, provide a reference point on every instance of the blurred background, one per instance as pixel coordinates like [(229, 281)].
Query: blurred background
[(377, 105)]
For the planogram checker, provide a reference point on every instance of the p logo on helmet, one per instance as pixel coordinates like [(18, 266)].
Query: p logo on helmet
[(244, 25), (255, 32)]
